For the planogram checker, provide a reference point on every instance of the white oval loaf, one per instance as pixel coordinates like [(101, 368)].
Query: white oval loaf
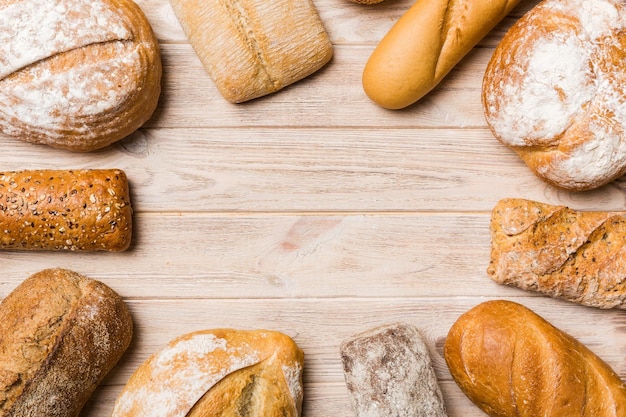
[(76, 74), (220, 372)]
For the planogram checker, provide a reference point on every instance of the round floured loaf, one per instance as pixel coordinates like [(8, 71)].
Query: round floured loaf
[(555, 91), (76, 74), (219, 372)]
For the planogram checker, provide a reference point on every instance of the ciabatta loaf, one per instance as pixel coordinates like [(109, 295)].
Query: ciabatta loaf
[(555, 91), (60, 334), (76, 74), (425, 44), (579, 256), (389, 372), (220, 372), (512, 363), (76, 210), (251, 48)]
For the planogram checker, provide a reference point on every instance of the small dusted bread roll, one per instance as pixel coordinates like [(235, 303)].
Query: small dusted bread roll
[(60, 334), (251, 48), (555, 91), (76, 74), (221, 372), (389, 372), (512, 363), (76, 210)]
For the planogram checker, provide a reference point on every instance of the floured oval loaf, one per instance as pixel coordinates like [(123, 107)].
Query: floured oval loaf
[(220, 372), (76, 74), (60, 334), (251, 48), (555, 91)]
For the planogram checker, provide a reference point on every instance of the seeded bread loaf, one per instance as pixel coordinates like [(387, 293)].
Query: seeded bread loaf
[(60, 334), (220, 372), (76, 74), (77, 210)]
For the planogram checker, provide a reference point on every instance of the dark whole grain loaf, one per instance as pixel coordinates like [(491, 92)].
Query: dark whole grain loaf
[(389, 373), (60, 334)]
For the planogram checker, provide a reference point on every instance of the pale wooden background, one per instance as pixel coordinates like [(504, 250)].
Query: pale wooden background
[(313, 211)]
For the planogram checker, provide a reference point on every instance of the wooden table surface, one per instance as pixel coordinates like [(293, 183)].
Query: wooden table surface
[(313, 211)]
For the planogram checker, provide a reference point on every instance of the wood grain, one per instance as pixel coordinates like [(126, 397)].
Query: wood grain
[(313, 211)]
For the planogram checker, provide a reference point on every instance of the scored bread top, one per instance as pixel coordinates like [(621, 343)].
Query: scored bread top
[(171, 382), (76, 74)]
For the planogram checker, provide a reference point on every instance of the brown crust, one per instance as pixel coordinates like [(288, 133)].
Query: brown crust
[(212, 373), (77, 210), (511, 362), (128, 68), (572, 255), (60, 334)]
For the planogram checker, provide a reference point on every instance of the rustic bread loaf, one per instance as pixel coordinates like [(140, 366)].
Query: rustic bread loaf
[(425, 44), (251, 48), (76, 74), (220, 372), (389, 373), (572, 255), (554, 91), (77, 210), (512, 363), (60, 334)]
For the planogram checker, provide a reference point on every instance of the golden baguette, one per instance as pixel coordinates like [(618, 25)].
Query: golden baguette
[(572, 255), (425, 44), (76, 210), (512, 363)]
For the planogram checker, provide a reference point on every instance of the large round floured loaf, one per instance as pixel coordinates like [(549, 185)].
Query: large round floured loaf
[(219, 372), (76, 74), (555, 91)]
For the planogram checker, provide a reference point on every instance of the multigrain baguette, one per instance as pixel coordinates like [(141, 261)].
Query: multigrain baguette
[(219, 372), (425, 44), (76, 74), (579, 256), (512, 363), (60, 334), (76, 210), (251, 48)]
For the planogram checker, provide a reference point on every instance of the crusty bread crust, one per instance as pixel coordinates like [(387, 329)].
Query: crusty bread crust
[(512, 363), (251, 48), (578, 256), (76, 74), (60, 334), (77, 210), (425, 44), (220, 372)]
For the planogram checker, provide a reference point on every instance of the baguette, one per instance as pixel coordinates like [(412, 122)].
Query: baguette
[(76, 74), (425, 44), (76, 210), (571, 255), (512, 363), (389, 372), (220, 372), (251, 48), (60, 334)]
